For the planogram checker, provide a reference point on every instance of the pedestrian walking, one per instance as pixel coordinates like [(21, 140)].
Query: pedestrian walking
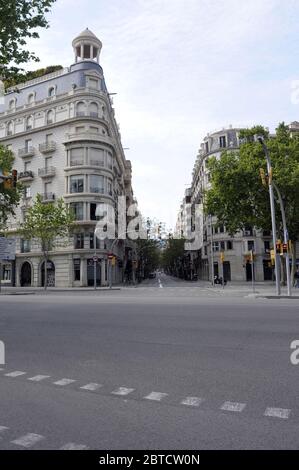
[(296, 276)]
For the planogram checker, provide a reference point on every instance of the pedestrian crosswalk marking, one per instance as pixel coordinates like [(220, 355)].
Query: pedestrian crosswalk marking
[(16, 373), (156, 396), (233, 406), (38, 378), (63, 382), (192, 401), (123, 391), (91, 386), (28, 440), (72, 446), (282, 413)]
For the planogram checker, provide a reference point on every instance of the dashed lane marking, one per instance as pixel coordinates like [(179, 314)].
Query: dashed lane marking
[(72, 446), (2, 429), (63, 382), (39, 378), (28, 440), (92, 387), (282, 413), (192, 401), (156, 396), (123, 391), (16, 373), (233, 406)]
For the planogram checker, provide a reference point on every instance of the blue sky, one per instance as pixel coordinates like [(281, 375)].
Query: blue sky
[(182, 68)]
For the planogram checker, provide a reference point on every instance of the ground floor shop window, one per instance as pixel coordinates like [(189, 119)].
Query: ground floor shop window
[(6, 275)]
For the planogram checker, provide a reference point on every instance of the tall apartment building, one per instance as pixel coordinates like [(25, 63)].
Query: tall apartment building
[(213, 239), (62, 130)]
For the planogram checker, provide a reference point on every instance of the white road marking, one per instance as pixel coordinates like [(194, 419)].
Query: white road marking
[(157, 396), (3, 428), (28, 440), (38, 378), (233, 406), (123, 391), (72, 446), (16, 373), (91, 386), (283, 413), (192, 401), (63, 382)]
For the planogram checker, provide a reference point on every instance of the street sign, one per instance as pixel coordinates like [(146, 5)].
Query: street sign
[(7, 249), (110, 256)]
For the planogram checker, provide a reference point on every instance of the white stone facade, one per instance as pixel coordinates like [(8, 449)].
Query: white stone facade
[(236, 249), (62, 130)]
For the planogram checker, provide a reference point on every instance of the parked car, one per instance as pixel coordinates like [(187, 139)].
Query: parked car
[(152, 275)]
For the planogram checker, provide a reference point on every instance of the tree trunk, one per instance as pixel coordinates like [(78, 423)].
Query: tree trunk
[(45, 271)]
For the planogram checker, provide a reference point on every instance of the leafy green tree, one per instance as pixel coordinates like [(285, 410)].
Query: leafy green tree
[(47, 223), (19, 21), (237, 196), (173, 256), (9, 196), (148, 253)]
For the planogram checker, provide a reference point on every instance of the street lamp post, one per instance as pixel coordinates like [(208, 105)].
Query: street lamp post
[(285, 238), (272, 206)]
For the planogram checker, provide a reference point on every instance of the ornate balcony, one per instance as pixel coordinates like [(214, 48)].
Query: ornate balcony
[(46, 172), (26, 175), (47, 147), (26, 152)]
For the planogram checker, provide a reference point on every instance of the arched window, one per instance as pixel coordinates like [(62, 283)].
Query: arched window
[(12, 104), (29, 123), (9, 128), (51, 91), (31, 98), (80, 109), (93, 110), (50, 117)]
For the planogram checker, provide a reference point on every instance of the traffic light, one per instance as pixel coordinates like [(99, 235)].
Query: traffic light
[(285, 248), (11, 180), (7, 184), (222, 257), (278, 246), (263, 177), (272, 252), (14, 178)]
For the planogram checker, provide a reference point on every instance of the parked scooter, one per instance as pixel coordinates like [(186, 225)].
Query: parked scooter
[(218, 280)]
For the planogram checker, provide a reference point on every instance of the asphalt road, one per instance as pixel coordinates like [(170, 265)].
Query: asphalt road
[(162, 366)]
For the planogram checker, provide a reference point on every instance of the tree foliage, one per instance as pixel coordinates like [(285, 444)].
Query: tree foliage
[(237, 196), (173, 255), (9, 197), (47, 222), (19, 21), (30, 75), (148, 253)]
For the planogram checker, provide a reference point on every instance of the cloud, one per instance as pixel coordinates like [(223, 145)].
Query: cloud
[(182, 68)]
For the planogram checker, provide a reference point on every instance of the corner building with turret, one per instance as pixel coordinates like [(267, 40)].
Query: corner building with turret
[(62, 130)]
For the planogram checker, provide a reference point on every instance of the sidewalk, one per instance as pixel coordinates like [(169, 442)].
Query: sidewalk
[(41, 290), (261, 289)]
